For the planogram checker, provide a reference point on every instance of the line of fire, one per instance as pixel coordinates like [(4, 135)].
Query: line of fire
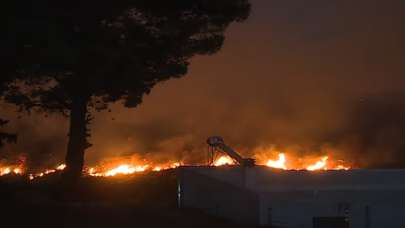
[(322, 193), (227, 157), (202, 113)]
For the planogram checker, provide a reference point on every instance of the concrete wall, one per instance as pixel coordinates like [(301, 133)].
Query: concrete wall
[(267, 179), (297, 209), (217, 197), (291, 199)]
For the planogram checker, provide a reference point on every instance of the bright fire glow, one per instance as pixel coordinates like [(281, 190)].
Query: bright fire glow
[(278, 164), (297, 163), (61, 167), (17, 170), (127, 167), (11, 170), (224, 160), (342, 167), (157, 169), (5, 171), (321, 164), (174, 165)]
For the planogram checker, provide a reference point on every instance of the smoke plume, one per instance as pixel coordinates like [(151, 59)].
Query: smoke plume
[(307, 77)]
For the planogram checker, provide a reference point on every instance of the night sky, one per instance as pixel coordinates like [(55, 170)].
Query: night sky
[(304, 76)]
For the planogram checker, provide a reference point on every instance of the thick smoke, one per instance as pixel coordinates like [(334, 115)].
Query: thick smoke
[(375, 133), (305, 77), (42, 139)]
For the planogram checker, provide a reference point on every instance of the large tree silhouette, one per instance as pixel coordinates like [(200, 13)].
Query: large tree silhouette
[(73, 56)]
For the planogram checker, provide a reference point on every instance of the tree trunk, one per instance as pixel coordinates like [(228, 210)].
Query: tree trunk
[(77, 138)]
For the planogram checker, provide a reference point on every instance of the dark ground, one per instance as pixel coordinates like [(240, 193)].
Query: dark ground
[(144, 200)]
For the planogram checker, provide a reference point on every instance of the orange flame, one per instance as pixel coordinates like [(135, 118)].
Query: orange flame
[(5, 171), (61, 167), (125, 169), (128, 167), (224, 160), (18, 170), (278, 164), (321, 164), (342, 167)]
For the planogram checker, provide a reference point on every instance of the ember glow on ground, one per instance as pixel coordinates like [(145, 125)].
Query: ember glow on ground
[(284, 162)]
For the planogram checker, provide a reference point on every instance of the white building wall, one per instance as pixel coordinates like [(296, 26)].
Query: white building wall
[(292, 198), (296, 209)]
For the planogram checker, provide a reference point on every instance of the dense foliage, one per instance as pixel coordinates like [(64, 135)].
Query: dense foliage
[(70, 56)]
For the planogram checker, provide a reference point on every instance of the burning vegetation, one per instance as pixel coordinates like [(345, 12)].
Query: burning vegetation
[(110, 170), (121, 166), (323, 163), (10, 170)]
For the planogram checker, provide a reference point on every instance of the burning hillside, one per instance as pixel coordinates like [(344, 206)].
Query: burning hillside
[(123, 166), (324, 163)]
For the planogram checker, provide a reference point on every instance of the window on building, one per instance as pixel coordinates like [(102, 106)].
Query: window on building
[(330, 222)]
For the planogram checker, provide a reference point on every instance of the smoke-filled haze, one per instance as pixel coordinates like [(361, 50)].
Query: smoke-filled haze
[(307, 77)]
